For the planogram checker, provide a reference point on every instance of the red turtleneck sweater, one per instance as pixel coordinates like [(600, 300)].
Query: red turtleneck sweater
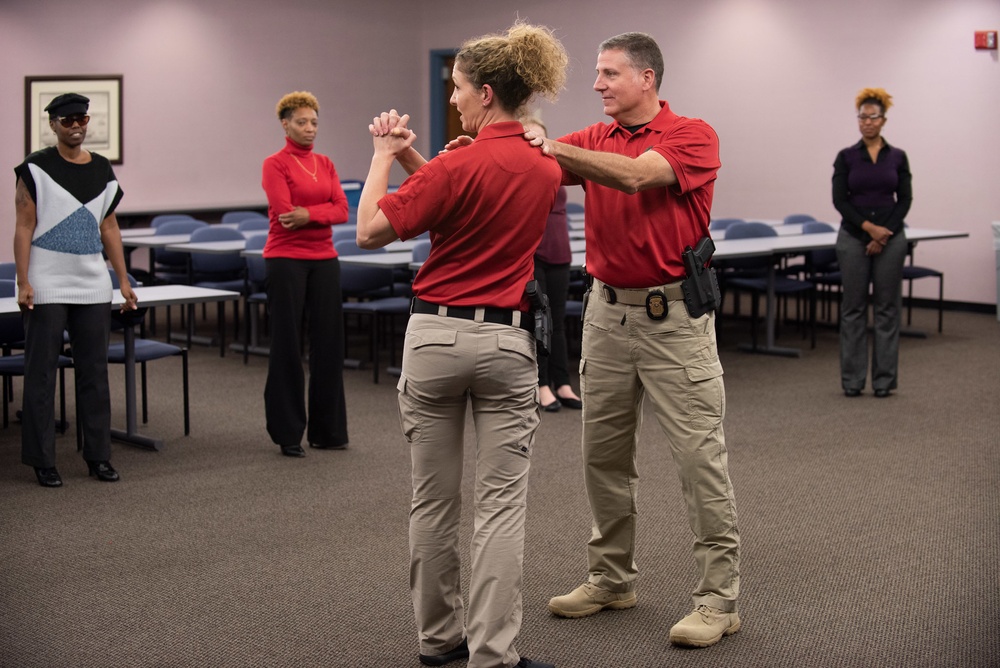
[(288, 180)]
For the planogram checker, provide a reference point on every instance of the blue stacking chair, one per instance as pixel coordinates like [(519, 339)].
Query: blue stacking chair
[(147, 350), (231, 217), (358, 285), (11, 365), (754, 278), (254, 294), (170, 266), (797, 218)]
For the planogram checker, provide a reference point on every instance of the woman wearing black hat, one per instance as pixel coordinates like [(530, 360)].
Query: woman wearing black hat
[(65, 223)]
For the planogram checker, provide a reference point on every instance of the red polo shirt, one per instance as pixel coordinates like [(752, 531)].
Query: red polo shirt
[(485, 207), (636, 241)]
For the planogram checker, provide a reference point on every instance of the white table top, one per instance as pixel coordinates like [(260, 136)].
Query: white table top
[(130, 232), (155, 295), (164, 240), (210, 247)]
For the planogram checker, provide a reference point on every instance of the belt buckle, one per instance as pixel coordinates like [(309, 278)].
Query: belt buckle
[(609, 294), (656, 305)]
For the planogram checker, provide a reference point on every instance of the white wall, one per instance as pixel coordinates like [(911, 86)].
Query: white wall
[(777, 80)]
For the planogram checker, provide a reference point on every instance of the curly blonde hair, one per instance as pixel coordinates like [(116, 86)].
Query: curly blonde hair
[(524, 61), (873, 96), (296, 100)]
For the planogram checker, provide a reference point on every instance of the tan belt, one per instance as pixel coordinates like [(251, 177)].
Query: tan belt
[(636, 296)]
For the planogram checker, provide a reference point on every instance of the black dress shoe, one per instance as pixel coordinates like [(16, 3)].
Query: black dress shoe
[(320, 446), (48, 477), (553, 407), (293, 451), (103, 471), (881, 394), (460, 652), (570, 402), (852, 393), (528, 663)]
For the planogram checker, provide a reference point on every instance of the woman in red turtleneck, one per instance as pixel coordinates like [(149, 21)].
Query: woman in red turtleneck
[(303, 286)]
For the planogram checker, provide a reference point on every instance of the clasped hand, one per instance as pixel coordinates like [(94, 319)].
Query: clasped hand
[(390, 135)]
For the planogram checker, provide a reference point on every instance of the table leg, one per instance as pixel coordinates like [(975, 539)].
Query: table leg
[(131, 434), (769, 347)]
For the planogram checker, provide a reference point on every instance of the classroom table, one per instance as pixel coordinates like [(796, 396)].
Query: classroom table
[(160, 295)]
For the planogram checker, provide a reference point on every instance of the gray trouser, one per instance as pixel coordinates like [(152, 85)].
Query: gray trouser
[(675, 363), (448, 362), (884, 273), (88, 326)]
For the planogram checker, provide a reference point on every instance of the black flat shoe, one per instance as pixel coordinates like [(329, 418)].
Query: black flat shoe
[(460, 652), (320, 446), (569, 402), (48, 477), (103, 471), (881, 394), (852, 393), (293, 451), (528, 663), (553, 407)]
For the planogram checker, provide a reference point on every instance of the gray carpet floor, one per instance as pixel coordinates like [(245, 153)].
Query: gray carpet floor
[(870, 527)]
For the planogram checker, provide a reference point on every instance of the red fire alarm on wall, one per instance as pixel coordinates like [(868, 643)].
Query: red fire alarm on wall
[(986, 39)]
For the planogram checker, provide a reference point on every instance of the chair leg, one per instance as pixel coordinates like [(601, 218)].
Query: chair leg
[(754, 311), (62, 401), (187, 406), (909, 304), (374, 340), (940, 303), (145, 411), (6, 399)]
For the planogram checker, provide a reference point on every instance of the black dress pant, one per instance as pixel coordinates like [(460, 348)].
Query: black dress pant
[(89, 326), (304, 295), (553, 280)]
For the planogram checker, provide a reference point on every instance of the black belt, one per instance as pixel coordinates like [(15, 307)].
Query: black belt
[(498, 316)]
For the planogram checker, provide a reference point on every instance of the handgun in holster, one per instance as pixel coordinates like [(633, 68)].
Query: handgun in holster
[(701, 287), (543, 316)]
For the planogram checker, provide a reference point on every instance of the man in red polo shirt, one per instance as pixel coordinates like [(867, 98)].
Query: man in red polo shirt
[(649, 179)]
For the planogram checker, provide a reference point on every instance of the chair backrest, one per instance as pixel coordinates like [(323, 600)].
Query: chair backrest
[(341, 233), (352, 188), (187, 226), (8, 271), (11, 324), (254, 224), (749, 230), (826, 258), (240, 216), (168, 217), (228, 265), (421, 250), (719, 224), (256, 266), (794, 218), (355, 281)]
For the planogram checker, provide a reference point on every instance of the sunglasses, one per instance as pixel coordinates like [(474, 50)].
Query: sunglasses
[(69, 121)]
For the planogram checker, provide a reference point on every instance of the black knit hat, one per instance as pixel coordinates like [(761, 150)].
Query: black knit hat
[(67, 104)]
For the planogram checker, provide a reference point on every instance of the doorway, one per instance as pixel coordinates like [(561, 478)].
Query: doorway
[(445, 121)]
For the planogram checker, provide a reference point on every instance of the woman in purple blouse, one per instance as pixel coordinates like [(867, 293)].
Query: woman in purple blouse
[(872, 192)]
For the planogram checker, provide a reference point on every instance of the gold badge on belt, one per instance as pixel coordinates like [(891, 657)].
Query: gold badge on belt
[(656, 305)]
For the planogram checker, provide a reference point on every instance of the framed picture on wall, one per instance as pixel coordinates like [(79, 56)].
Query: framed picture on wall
[(104, 133)]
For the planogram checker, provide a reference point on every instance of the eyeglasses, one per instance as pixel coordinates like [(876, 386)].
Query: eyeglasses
[(69, 121), (872, 117)]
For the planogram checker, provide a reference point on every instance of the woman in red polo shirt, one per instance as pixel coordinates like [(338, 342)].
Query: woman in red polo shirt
[(469, 338)]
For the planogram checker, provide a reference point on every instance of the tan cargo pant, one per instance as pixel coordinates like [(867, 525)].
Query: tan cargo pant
[(448, 363), (626, 357)]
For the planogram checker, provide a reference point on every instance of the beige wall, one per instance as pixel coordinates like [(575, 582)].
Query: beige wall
[(776, 79)]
